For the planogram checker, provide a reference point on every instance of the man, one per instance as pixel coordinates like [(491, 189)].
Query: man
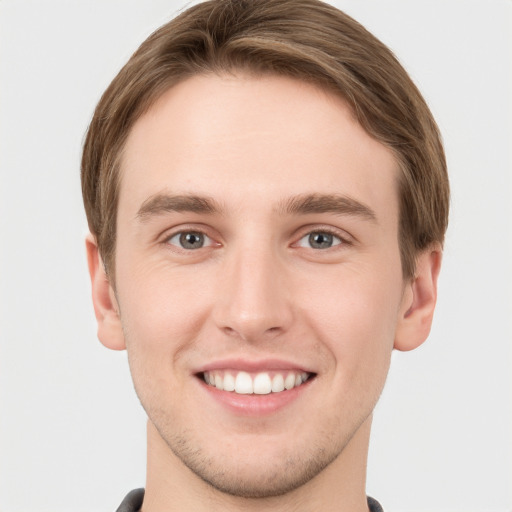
[(267, 197)]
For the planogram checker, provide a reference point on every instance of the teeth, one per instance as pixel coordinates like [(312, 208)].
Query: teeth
[(262, 383), (229, 382), (278, 383), (289, 382), (243, 384)]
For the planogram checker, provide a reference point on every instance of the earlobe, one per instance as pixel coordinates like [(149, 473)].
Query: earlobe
[(106, 309), (420, 296)]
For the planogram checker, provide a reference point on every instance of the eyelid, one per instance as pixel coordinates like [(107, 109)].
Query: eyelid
[(208, 241), (170, 233), (345, 237), (336, 241)]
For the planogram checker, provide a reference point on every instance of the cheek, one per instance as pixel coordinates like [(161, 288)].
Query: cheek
[(355, 317), (161, 316), (161, 321), (159, 304)]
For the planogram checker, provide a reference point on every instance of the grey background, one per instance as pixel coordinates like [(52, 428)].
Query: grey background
[(72, 434)]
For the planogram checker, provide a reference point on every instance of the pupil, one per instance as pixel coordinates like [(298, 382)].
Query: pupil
[(320, 240), (191, 240)]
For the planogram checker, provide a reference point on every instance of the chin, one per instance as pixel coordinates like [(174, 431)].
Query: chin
[(260, 486), (255, 472)]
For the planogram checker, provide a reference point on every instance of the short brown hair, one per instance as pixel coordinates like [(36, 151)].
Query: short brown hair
[(306, 39)]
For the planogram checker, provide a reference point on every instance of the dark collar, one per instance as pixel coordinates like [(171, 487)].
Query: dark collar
[(133, 502)]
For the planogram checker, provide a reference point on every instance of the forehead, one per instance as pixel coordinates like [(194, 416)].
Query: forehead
[(246, 136)]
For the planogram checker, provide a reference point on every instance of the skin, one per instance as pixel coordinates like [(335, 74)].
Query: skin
[(258, 291)]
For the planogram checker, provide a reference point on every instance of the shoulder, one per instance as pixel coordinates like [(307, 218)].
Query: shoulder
[(374, 505), (132, 502)]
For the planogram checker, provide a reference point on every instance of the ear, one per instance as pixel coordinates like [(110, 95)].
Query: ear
[(106, 309), (419, 301)]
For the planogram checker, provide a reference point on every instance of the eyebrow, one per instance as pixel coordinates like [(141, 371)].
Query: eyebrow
[(159, 204), (327, 203)]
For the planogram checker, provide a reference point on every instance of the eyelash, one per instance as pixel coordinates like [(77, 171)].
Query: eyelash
[(183, 232), (343, 240)]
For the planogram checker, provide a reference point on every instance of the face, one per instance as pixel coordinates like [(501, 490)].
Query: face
[(258, 277)]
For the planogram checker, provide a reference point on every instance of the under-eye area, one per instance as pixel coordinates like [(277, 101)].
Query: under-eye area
[(261, 383)]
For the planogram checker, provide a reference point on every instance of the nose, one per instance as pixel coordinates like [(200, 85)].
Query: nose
[(254, 301)]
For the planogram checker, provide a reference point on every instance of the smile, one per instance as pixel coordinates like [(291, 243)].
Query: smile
[(262, 383)]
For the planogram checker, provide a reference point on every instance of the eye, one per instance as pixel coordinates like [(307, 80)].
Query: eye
[(190, 240), (319, 240)]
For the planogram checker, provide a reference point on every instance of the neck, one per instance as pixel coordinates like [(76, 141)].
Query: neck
[(340, 487)]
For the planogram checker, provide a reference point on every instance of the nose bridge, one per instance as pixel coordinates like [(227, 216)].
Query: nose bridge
[(254, 301)]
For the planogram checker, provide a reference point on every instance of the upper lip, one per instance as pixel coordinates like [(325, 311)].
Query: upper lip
[(253, 365)]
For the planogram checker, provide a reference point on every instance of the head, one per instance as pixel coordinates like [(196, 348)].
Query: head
[(267, 190)]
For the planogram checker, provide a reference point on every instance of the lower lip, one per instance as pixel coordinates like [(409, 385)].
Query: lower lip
[(256, 405)]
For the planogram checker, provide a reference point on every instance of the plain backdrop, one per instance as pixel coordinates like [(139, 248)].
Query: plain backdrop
[(72, 434)]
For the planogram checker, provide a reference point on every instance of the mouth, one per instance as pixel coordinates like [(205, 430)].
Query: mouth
[(260, 383)]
